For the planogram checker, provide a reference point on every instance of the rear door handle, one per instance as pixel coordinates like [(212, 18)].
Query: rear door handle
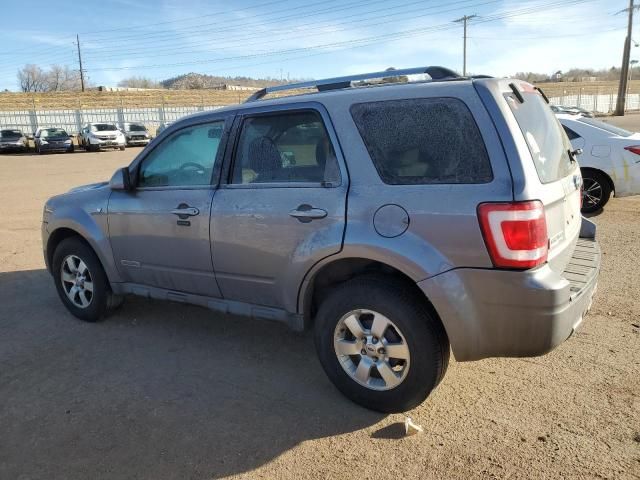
[(185, 211), (306, 213)]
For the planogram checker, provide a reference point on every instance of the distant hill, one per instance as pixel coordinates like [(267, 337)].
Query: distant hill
[(196, 81)]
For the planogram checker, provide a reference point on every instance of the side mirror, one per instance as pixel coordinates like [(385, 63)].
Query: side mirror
[(121, 180)]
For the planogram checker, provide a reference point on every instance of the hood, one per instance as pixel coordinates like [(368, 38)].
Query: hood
[(91, 186)]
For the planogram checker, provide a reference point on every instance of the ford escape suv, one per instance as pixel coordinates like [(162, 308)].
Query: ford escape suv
[(398, 220)]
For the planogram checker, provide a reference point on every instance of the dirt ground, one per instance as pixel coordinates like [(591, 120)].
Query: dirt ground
[(164, 391)]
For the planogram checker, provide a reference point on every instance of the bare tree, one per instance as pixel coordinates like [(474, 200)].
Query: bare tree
[(32, 79), (138, 82), (61, 78)]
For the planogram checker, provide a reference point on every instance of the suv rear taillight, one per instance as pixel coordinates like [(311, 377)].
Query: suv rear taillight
[(515, 233)]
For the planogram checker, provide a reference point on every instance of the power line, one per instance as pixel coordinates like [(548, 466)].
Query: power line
[(193, 28), (199, 17), (287, 36), (366, 40), (229, 26)]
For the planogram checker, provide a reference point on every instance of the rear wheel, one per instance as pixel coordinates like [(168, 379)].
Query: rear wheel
[(380, 345), (81, 282), (122, 149), (596, 191)]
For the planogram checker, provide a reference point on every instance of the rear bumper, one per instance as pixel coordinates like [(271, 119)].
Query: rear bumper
[(499, 313)]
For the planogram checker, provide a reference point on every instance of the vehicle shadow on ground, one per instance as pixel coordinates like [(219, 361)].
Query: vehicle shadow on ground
[(157, 390)]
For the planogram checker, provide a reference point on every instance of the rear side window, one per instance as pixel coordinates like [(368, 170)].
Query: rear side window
[(547, 142), (423, 141), (289, 147), (570, 133)]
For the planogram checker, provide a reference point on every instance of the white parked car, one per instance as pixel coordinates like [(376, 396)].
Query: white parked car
[(95, 136), (610, 159)]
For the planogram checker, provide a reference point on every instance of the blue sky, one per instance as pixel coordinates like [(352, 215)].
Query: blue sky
[(308, 39)]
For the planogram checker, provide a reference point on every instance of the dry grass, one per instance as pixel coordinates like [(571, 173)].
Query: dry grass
[(152, 98), (187, 98)]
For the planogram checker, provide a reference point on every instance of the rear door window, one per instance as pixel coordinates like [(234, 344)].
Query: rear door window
[(423, 141), (547, 142), (289, 147)]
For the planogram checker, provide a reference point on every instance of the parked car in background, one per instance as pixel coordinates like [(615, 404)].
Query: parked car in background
[(610, 159), (161, 127), (52, 140), (13, 140), (136, 134), (96, 136), (398, 221), (572, 110)]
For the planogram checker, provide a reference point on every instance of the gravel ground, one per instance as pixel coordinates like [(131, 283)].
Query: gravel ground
[(161, 390)]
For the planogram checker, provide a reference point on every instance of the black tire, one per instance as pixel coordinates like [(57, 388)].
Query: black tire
[(71, 149), (102, 299), (425, 338), (596, 191), (122, 149)]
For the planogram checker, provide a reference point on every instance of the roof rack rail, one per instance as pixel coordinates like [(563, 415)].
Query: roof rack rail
[(435, 72)]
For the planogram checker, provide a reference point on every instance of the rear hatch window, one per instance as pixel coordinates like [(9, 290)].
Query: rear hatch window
[(559, 175), (548, 144), (423, 141)]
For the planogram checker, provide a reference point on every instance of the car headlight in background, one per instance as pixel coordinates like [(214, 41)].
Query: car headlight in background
[(22, 140), (43, 142), (68, 141)]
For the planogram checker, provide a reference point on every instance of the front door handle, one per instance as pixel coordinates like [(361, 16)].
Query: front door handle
[(185, 211), (306, 213)]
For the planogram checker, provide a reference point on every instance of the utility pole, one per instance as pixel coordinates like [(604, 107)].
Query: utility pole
[(464, 48), (80, 62), (626, 53)]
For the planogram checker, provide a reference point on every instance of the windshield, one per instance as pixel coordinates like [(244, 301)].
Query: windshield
[(547, 142), (101, 127), (621, 132), (137, 128), (10, 134), (53, 132)]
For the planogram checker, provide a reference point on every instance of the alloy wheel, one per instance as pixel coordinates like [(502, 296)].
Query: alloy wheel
[(591, 192), (371, 349), (77, 281)]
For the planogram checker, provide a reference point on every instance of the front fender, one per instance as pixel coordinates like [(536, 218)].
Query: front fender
[(90, 222)]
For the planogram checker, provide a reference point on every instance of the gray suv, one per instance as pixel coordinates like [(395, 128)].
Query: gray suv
[(398, 220)]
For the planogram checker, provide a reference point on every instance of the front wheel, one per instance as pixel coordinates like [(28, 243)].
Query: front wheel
[(81, 282), (596, 191), (380, 345), (122, 149)]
